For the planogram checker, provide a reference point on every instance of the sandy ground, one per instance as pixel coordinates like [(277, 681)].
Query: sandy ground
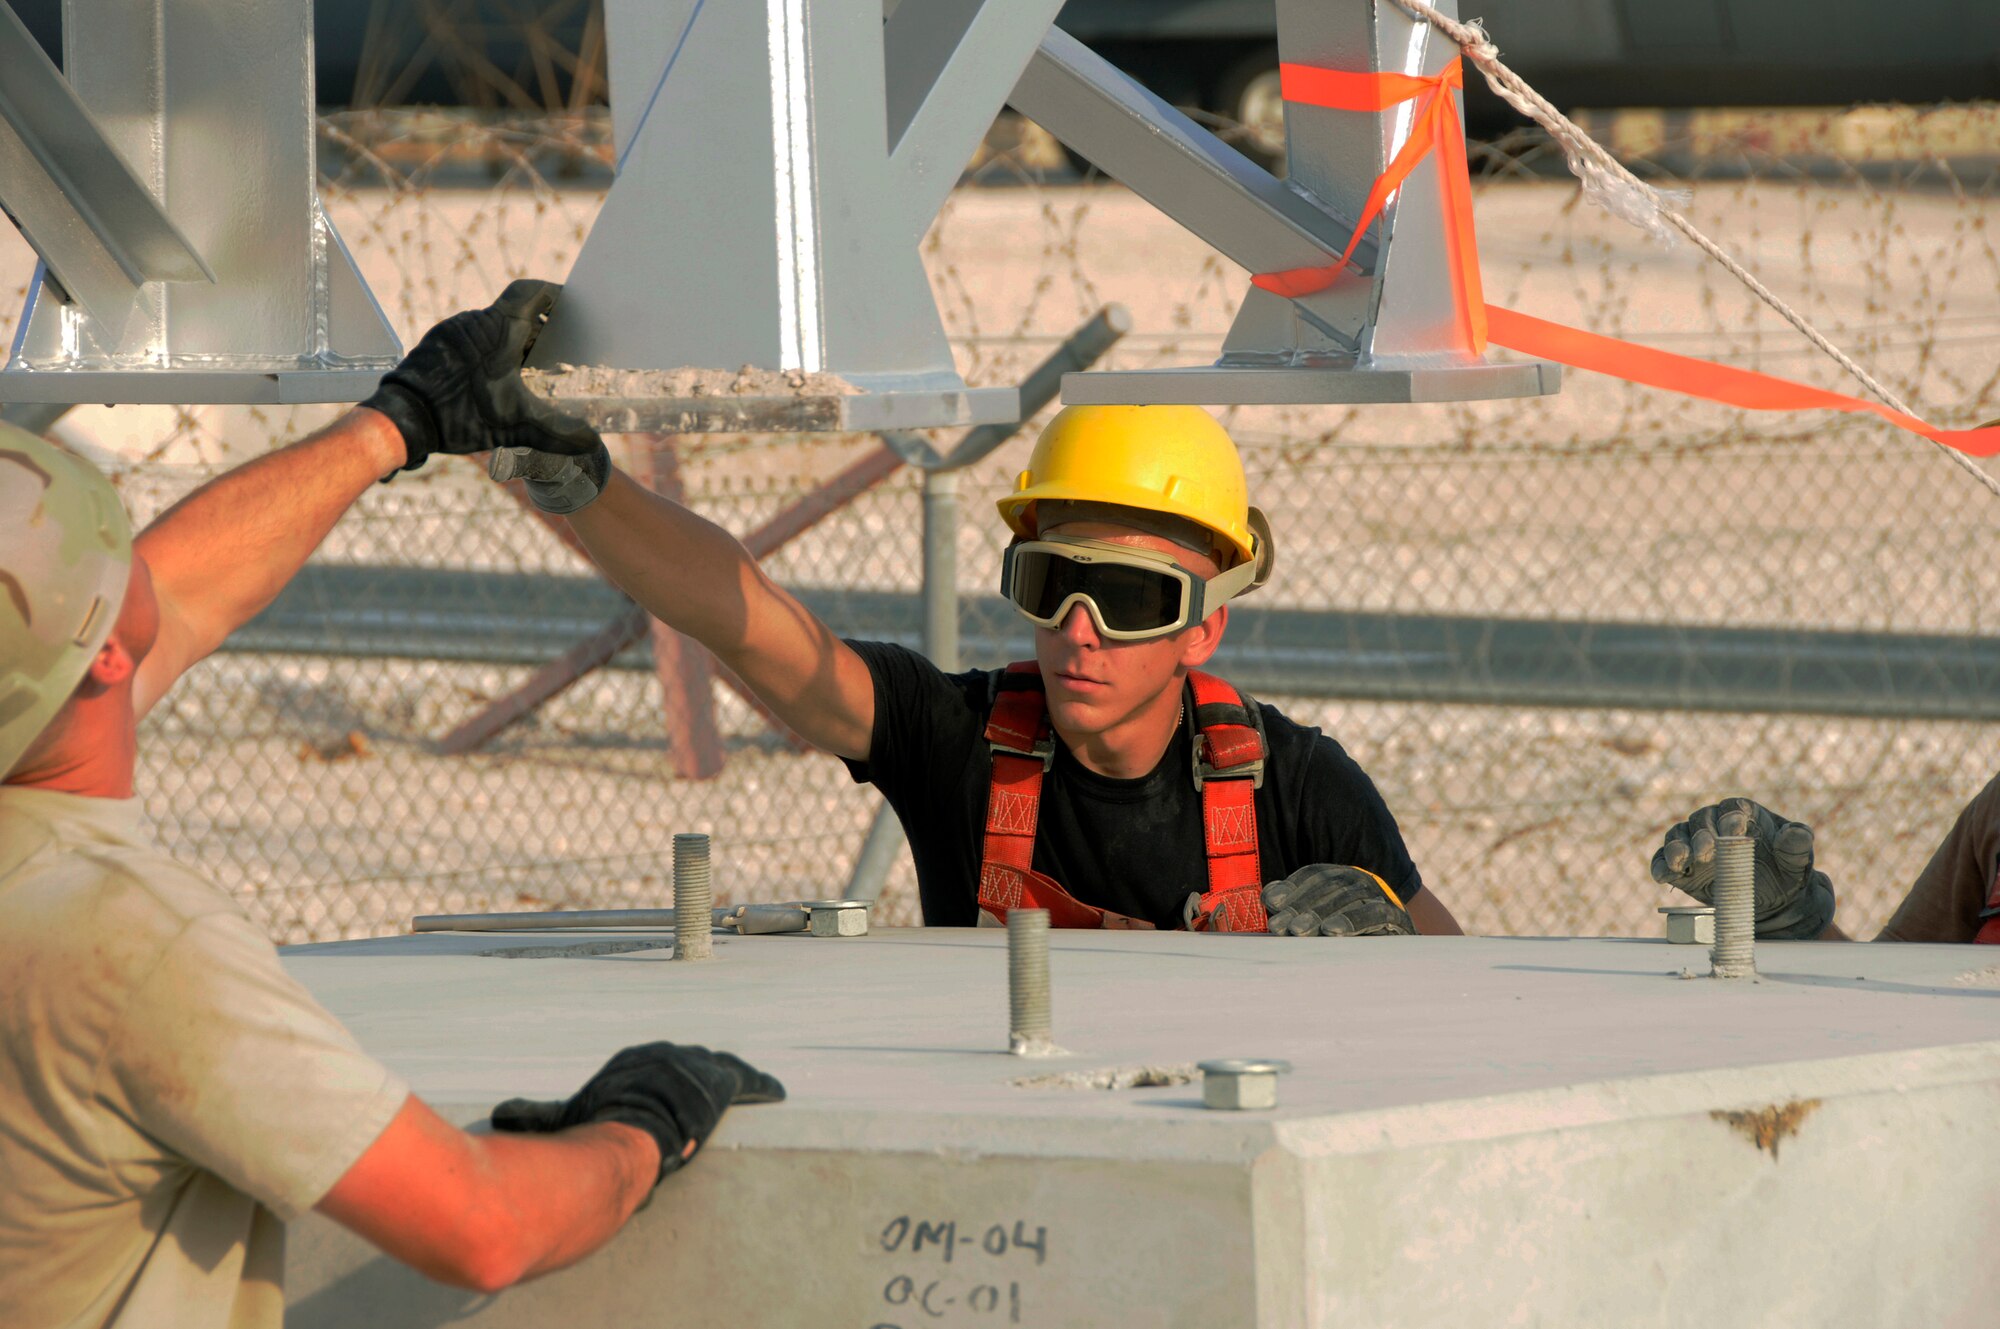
[(1607, 502)]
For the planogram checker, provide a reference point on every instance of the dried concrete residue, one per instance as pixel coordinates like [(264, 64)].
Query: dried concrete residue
[(1113, 1077), (1989, 977), (647, 384), (1767, 1127), (573, 950)]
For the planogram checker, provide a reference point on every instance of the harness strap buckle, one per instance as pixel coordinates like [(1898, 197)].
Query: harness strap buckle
[(1044, 751), (1253, 771)]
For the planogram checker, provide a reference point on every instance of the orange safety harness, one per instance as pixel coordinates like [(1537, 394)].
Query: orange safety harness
[(1228, 770)]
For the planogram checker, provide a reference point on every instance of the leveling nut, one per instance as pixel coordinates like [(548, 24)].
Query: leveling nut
[(1690, 925), (1241, 1084), (837, 918)]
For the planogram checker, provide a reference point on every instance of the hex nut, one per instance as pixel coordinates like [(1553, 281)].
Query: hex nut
[(1240, 1085), (1690, 925), (837, 918)]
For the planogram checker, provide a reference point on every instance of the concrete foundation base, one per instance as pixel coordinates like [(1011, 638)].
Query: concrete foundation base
[(1475, 1131)]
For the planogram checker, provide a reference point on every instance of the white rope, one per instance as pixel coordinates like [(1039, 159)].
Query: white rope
[(1607, 183)]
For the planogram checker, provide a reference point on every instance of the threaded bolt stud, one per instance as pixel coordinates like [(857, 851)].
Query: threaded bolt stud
[(1735, 908), (1030, 1028), (694, 899)]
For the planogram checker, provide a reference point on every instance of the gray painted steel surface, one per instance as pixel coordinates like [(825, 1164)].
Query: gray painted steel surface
[(778, 166), (778, 173), (210, 103), (1475, 1131), (90, 218)]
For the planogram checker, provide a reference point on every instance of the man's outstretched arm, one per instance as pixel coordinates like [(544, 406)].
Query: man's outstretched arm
[(487, 1211), (225, 551), (698, 579)]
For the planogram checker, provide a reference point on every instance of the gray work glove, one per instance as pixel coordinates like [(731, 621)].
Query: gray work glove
[(459, 390), (1326, 900), (674, 1093), (1794, 901), (556, 482)]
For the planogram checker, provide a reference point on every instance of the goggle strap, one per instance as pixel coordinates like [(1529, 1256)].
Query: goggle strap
[(1224, 587)]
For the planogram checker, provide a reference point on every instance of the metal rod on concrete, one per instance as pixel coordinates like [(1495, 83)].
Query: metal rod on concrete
[(1735, 907), (694, 897), (1030, 1022), (553, 920)]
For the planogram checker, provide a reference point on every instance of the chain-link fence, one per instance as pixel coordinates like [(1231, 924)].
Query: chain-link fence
[(334, 766)]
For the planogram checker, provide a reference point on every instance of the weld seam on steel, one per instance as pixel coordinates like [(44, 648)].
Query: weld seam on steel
[(694, 895), (1029, 1014), (1735, 907)]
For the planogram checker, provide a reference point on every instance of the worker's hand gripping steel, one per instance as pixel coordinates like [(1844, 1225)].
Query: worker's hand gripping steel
[(1794, 901), (460, 391), (674, 1093), (1329, 900)]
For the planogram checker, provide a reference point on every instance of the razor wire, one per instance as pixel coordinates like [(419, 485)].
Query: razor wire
[(1608, 183), (307, 774)]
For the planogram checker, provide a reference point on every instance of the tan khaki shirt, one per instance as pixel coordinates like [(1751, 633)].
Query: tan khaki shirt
[(1951, 891), (169, 1097)]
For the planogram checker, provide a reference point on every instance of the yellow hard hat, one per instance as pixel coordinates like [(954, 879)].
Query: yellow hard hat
[(65, 560), (1175, 460)]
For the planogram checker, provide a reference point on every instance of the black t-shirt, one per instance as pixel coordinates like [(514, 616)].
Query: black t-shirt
[(1133, 846)]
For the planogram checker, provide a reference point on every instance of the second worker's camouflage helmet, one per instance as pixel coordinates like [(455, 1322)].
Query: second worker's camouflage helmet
[(65, 560)]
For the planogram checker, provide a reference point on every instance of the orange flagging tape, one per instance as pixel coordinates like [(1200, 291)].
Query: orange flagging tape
[(1435, 127), (1705, 379)]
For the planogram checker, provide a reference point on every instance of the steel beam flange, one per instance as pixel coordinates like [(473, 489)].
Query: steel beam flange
[(134, 136), (789, 413), (1289, 385)]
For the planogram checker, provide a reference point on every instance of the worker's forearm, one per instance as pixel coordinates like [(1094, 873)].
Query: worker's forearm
[(680, 567), (698, 579), (225, 551), (485, 1211), (568, 1194), (1431, 917)]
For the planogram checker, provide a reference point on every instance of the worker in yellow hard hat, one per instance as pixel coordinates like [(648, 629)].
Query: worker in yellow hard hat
[(169, 1096), (1110, 780)]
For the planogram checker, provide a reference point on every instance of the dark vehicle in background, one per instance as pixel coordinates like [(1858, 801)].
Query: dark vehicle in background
[(1222, 55), (1218, 58)]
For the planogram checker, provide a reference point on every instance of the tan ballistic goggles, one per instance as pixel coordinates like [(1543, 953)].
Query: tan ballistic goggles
[(1131, 594)]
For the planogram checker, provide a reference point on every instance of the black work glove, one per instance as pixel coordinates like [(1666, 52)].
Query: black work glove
[(460, 389), (1794, 902), (1327, 900), (674, 1093)]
